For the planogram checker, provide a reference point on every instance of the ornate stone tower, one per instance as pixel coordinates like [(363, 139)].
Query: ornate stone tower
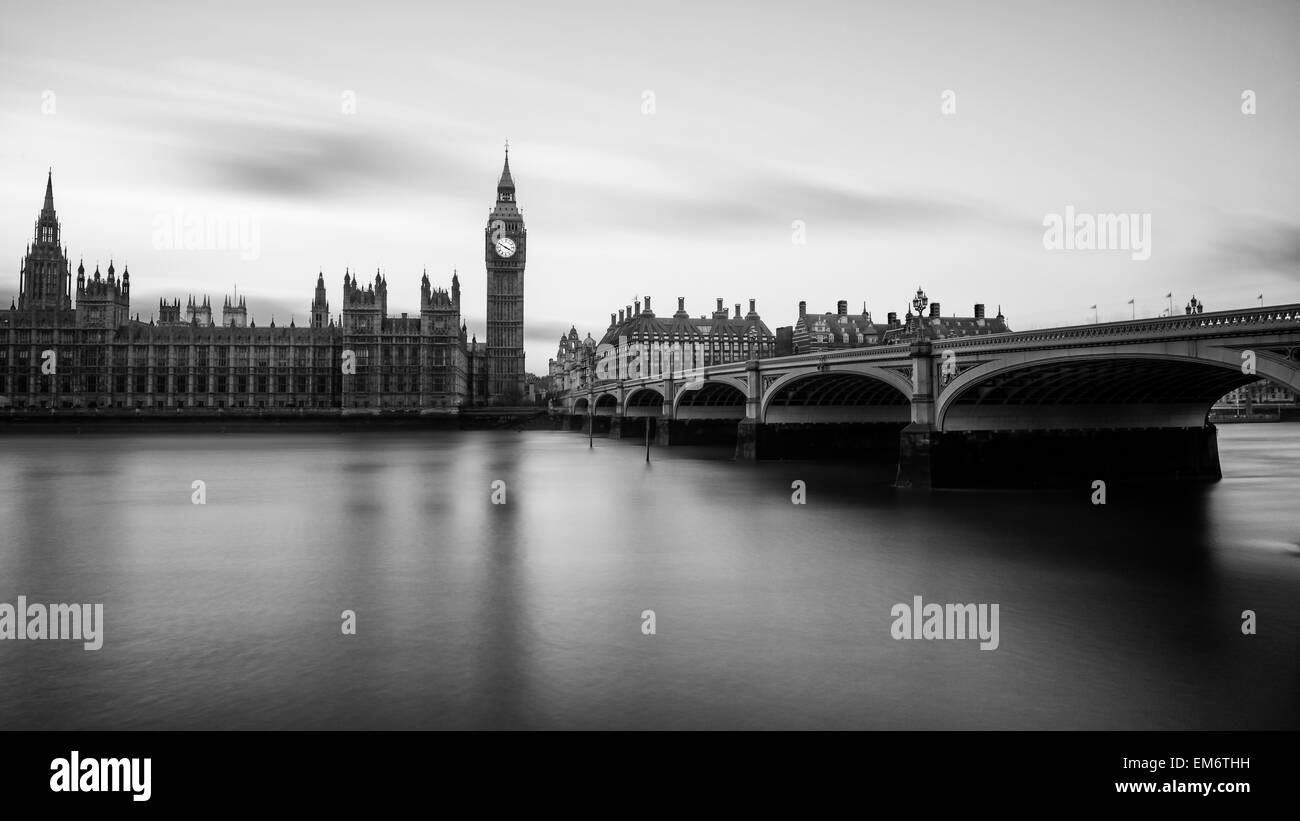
[(103, 303), (234, 314), (199, 314), (320, 306), (505, 248), (46, 278)]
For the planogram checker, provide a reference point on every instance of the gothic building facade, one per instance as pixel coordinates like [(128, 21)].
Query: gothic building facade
[(56, 353)]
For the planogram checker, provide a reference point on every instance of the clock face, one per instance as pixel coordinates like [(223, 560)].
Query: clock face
[(505, 247)]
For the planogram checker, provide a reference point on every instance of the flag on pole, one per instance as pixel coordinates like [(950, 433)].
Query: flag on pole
[(1169, 295), (1130, 302), (1092, 307)]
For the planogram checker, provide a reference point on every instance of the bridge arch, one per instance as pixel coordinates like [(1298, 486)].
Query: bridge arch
[(1150, 386), (644, 401), (717, 399), (845, 394), (580, 405), (606, 405)]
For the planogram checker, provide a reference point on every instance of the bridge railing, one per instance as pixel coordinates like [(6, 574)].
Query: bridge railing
[(1282, 316)]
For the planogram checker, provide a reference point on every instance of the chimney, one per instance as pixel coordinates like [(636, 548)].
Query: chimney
[(842, 307), (979, 310), (638, 307), (803, 308), (647, 305), (720, 308), (753, 312), (892, 320), (629, 312), (681, 304), (737, 310), (612, 317), (934, 310), (620, 316)]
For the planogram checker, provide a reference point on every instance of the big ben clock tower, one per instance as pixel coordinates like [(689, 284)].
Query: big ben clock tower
[(505, 247)]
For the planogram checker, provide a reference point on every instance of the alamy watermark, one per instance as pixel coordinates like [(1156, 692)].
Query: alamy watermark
[(946, 621), (192, 230), (1098, 232), (76, 622), (77, 774)]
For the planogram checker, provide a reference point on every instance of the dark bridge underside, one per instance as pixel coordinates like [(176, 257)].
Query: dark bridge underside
[(838, 398), (1112, 381), (716, 400), (838, 389), (1075, 422), (714, 394), (1094, 395), (829, 416), (644, 402)]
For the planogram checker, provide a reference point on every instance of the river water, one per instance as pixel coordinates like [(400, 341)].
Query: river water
[(529, 614)]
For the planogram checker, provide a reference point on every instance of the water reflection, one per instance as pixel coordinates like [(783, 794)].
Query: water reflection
[(527, 614)]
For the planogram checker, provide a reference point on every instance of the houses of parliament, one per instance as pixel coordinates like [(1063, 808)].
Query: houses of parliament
[(89, 352)]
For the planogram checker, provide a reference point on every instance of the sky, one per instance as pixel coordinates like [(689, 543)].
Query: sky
[(818, 151)]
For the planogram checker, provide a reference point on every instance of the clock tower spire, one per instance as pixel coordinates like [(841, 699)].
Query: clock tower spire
[(505, 249)]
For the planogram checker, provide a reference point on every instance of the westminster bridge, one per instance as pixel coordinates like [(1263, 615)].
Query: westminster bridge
[(1122, 400)]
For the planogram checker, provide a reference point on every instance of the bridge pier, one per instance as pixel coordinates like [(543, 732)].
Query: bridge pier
[(917, 443), (630, 427), (917, 449), (747, 440), (863, 441), (695, 431), (1073, 458)]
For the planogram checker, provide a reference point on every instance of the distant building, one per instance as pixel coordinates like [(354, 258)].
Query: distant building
[(1263, 396), (574, 363), (92, 354), (827, 332), (835, 331), (681, 341), (784, 341), (936, 326)]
